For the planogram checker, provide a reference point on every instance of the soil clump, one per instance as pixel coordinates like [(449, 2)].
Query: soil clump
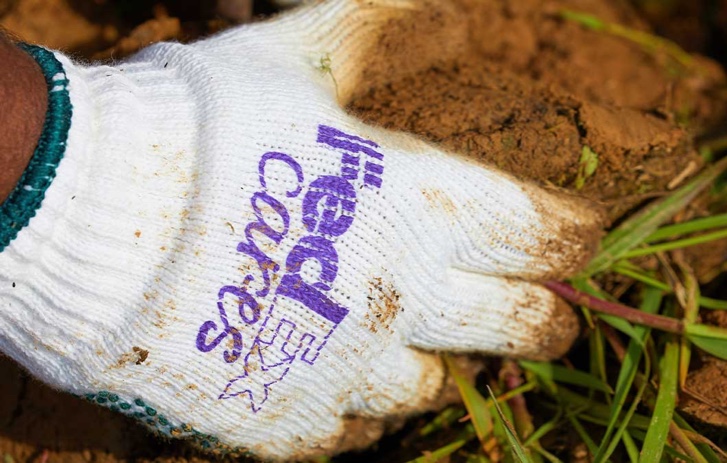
[(530, 90)]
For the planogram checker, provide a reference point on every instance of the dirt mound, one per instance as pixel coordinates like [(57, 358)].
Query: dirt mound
[(530, 92)]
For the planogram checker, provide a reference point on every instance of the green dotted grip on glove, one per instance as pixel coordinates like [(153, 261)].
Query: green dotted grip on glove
[(141, 411), (25, 199)]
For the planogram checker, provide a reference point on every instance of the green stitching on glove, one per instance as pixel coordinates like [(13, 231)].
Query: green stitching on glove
[(141, 411), (25, 199)]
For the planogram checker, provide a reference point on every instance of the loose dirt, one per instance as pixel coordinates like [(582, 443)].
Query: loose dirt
[(525, 91)]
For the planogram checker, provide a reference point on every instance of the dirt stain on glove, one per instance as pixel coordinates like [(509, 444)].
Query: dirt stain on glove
[(438, 199), (555, 337), (383, 305), (137, 356)]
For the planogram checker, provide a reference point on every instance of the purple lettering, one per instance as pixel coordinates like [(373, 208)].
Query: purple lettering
[(250, 247), (337, 199), (372, 180), (206, 327), (348, 158), (265, 263), (292, 163), (374, 168), (230, 356), (349, 173), (328, 209), (320, 250), (244, 299), (278, 207), (341, 140), (293, 286)]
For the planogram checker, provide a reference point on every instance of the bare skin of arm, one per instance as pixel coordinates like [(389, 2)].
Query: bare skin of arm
[(23, 103)]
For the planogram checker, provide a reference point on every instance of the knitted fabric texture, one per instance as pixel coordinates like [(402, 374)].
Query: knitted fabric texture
[(26, 198), (225, 244)]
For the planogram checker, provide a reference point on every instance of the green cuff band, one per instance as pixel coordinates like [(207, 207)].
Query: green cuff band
[(25, 199)]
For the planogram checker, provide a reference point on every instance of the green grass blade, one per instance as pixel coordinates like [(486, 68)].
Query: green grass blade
[(507, 395), (632, 232), (649, 42), (547, 455), (626, 268), (515, 445), (709, 454), (596, 412), (597, 345), (650, 304), (630, 270), (631, 449), (500, 436), (686, 443), (678, 244), (620, 324), (477, 458), (606, 451), (697, 439), (584, 19), (691, 311), (444, 419), (582, 433), (697, 225), (592, 416), (473, 401), (711, 339), (709, 303), (440, 453), (562, 374), (543, 430), (664, 408), (668, 449)]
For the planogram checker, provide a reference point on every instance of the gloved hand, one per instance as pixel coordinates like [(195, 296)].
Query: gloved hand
[(227, 255)]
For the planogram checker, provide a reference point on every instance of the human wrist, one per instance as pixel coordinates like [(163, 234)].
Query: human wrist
[(111, 216), (23, 93), (39, 151)]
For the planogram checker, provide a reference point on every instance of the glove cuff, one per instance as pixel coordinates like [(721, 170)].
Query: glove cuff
[(79, 268), (25, 199)]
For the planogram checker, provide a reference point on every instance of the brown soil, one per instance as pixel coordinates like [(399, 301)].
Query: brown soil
[(530, 90), (704, 396), (526, 91)]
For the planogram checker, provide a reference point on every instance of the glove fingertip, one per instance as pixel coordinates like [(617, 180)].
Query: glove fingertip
[(570, 235), (554, 338)]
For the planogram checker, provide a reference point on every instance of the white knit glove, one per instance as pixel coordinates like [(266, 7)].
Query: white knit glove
[(227, 255)]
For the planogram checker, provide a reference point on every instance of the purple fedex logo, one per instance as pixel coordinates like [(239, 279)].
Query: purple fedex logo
[(303, 315)]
